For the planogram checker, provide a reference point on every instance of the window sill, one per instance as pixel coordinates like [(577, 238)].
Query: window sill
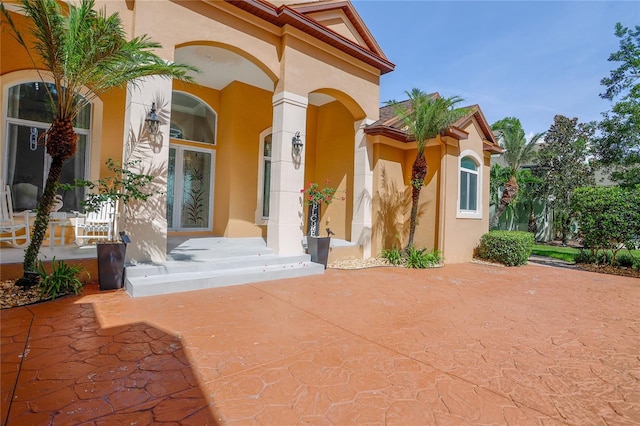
[(468, 215)]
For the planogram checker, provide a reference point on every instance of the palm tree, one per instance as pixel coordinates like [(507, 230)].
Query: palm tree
[(425, 117), (78, 49), (517, 151)]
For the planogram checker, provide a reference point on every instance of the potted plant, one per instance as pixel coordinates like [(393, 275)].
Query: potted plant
[(314, 197), (119, 188)]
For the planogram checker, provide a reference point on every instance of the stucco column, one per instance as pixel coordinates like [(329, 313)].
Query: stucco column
[(362, 189), (146, 221), (284, 230)]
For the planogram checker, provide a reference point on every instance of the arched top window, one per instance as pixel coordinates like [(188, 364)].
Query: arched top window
[(470, 194), (469, 164), (192, 119)]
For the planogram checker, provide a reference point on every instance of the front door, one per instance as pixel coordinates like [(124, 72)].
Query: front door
[(190, 189)]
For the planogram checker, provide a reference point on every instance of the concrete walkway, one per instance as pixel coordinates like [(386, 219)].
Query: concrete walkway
[(464, 344)]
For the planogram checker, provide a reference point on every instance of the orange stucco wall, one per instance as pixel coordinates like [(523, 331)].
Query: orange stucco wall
[(12, 54), (392, 196), (245, 112), (461, 235), (330, 157)]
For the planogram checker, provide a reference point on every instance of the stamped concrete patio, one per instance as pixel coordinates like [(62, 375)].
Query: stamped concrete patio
[(465, 344)]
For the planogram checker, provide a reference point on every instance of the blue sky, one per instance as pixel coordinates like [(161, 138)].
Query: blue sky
[(526, 59)]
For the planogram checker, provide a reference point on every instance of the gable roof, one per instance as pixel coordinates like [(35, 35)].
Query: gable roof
[(297, 17), (391, 126), (313, 9)]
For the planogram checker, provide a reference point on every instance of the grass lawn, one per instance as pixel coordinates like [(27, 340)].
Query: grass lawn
[(565, 253)]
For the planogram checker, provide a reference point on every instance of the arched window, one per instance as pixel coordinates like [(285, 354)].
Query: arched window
[(469, 195), (26, 165), (192, 119)]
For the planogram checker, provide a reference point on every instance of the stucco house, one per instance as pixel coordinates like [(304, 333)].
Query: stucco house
[(270, 72)]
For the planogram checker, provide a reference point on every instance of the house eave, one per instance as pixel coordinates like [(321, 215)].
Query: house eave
[(283, 15)]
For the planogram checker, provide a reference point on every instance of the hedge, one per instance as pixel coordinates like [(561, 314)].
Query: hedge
[(511, 248)]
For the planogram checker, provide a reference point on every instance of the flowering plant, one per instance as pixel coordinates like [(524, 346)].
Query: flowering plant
[(313, 194)]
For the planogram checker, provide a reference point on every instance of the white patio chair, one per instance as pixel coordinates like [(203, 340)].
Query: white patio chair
[(96, 225), (11, 230)]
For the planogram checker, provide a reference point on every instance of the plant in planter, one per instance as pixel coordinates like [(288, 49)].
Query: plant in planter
[(314, 197), (122, 186)]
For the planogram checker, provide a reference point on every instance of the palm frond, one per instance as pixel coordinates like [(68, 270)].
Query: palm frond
[(428, 115), (517, 150)]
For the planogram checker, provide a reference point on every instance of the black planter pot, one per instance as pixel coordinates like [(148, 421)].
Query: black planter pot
[(111, 265), (318, 248)]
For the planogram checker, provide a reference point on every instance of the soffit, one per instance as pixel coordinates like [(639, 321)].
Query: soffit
[(219, 67)]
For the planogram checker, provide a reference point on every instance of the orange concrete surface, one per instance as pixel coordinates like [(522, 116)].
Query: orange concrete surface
[(464, 344)]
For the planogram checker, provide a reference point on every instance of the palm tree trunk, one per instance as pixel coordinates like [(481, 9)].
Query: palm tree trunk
[(30, 277), (508, 195), (62, 142), (418, 173)]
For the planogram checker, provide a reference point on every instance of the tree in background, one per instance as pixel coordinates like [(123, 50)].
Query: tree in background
[(608, 217), (618, 145), (79, 49), (517, 151), (425, 117), (528, 194), (563, 167), (498, 176)]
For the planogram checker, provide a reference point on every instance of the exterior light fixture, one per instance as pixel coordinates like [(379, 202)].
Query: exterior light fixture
[(152, 121), (297, 144)]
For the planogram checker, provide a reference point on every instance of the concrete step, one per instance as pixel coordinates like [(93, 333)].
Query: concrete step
[(200, 263), (149, 285), (219, 247), (204, 264)]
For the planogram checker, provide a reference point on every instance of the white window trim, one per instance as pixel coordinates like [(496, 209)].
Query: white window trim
[(259, 218), (470, 214)]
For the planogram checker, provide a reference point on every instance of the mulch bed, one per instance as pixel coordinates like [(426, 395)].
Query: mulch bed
[(608, 269), (11, 295)]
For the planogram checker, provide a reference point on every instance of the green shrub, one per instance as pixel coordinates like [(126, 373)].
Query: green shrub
[(624, 260), (421, 258), (584, 256), (608, 218), (511, 248), (393, 255), (63, 278), (604, 258)]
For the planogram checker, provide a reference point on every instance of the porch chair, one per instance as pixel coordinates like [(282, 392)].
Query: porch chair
[(96, 225), (12, 231)]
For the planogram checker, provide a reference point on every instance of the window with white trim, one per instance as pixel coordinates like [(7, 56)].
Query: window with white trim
[(469, 194), (26, 165), (264, 177)]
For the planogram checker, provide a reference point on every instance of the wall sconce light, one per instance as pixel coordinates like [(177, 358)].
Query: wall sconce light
[(152, 121), (297, 144)]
